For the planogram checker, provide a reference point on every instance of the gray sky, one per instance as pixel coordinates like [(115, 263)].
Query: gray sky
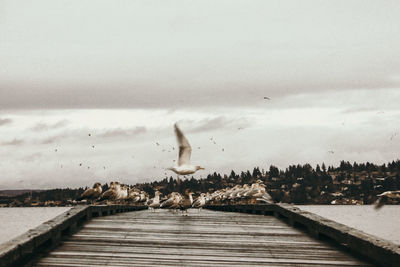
[(125, 71)]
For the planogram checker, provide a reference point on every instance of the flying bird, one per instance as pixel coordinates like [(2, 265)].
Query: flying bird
[(267, 98), (385, 197), (89, 134), (185, 150), (331, 151)]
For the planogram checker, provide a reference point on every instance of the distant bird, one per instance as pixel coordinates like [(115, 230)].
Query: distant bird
[(385, 196), (88, 167), (267, 98), (185, 150), (393, 136), (91, 193), (331, 151), (89, 134), (157, 144), (80, 164), (92, 146), (104, 167), (56, 150), (223, 150)]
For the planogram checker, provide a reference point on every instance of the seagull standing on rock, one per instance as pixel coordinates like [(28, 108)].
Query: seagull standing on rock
[(185, 150)]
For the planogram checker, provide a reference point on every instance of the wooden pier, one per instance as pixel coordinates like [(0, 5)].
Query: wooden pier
[(202, 238)]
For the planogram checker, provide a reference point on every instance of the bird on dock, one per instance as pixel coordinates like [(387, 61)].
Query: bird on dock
[(133, 195), (258, 192), (185, 150), (123, 193), (385, 197), (200, 201), (91, 193), (154, 203), (172, 202), (186, 202), (143, 197), (112, 193)]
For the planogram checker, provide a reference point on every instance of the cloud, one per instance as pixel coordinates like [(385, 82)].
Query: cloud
[(123, 132), (45, 127), (270, 50), (14, 142), (209, 124), (5, 121), (32, 157)]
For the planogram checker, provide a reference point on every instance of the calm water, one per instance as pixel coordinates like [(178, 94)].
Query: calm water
[(16, 221), (384, 223)]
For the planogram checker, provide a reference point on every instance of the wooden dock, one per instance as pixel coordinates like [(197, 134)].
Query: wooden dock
[(205, 238)]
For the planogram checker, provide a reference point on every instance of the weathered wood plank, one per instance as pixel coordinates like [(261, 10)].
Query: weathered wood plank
[(205, 238)]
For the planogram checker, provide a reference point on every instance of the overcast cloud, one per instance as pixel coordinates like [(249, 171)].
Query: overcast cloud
[(126, 71)]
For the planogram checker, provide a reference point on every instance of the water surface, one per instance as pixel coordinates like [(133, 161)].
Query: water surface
[(383, 223), (16, 221)]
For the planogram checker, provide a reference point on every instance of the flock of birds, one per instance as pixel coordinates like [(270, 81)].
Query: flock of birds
[(118, 193), (238, 194), (122, 193)]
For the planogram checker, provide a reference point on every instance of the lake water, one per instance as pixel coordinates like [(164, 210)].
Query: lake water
[(384, 223), (16, 221)]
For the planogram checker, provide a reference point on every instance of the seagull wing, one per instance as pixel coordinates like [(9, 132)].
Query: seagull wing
[(185, 150)]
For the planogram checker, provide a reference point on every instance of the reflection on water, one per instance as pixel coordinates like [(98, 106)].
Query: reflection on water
[(16, 221), (384, 223)]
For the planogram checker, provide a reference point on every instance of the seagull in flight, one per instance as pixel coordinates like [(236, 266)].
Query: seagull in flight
[(384, 198), (267, 98), (185, 150)]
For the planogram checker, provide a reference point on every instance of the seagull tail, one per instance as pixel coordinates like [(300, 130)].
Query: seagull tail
[(378, 204)]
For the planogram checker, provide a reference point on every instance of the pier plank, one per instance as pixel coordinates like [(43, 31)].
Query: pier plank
[(206, 238)]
